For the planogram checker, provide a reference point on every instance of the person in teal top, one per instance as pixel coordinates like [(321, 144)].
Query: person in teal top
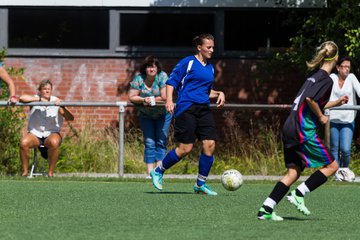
[(9, 82), (146, 89)]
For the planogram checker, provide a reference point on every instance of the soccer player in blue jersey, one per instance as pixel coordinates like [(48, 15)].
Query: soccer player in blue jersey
[(193, 79), (302, 146)]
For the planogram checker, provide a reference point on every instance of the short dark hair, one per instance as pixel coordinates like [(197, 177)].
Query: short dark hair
[(341, 60), (43, 83), (148, 62), (199, 40)]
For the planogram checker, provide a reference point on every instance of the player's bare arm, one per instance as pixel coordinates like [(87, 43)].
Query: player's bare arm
[(64, 111), (340, 101), (5, 77), (29, 98), (220, 102), (316, 110), (169, 105)]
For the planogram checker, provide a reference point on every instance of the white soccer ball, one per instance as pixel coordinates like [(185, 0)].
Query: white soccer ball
[(345, 174), (232, 180)]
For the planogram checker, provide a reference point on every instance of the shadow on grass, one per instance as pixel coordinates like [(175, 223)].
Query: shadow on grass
[(169, 193), (300, 219)]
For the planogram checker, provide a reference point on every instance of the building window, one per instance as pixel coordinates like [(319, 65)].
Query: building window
[(133, 32), (163, 29), (58, 28), (258, 29)]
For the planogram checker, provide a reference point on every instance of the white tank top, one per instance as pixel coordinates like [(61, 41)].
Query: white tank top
[(45, 120)]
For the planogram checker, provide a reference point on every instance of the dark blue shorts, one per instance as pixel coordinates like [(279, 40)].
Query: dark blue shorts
[(197, 122)]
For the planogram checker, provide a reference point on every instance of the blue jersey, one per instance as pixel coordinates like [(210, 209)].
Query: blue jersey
[(193, 82)]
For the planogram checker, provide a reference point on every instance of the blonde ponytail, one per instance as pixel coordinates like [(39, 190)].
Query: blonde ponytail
[(327, 51)]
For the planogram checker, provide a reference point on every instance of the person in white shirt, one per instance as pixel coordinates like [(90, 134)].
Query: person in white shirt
[(43, 127), (342, 122)]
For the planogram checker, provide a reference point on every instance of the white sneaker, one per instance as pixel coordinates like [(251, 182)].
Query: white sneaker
[(349, 175), (148, 177), (344, 174), (339, 175)]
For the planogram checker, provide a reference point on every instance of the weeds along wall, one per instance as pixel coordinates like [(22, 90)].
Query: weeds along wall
[(243, 81)]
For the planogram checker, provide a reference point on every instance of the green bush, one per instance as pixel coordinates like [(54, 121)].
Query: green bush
[(97, 151), (11, 125), (90, 150), (93, 150)]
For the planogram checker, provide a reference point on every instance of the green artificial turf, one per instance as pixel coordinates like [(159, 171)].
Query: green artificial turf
[(99, 209)]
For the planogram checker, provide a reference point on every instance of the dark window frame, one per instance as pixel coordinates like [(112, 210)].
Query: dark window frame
[(136, 50), (124, 51), (58, 28)]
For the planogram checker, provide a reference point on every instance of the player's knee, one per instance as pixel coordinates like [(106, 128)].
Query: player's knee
[(52, 143), (334, 166), (209, 147), (25, 143), (184, 150), (187, 150)]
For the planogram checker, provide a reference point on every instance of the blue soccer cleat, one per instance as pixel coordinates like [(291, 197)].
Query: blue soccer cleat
[(204, 189), (157, 179)]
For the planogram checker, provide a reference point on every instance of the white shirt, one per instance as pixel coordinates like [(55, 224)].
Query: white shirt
[(45, 120), (350, 86)]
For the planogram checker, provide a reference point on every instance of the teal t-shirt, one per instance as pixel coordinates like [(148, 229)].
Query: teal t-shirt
[(138, 83)]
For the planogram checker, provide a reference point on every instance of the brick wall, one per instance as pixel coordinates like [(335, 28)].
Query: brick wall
[(108, 80)]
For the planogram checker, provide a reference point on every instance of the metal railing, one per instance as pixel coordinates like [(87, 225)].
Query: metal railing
[(122, 105)]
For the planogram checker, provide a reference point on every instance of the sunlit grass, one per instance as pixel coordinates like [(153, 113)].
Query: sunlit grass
[(62, 208)]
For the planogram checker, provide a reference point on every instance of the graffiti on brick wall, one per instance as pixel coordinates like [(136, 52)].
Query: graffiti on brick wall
[(93, 85), (86, 83)]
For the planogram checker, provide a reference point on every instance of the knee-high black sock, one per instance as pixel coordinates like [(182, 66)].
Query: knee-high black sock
[(276, 195), (315, 180), (279, 192)]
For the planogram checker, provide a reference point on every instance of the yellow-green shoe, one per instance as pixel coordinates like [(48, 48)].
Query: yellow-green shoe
[(264, 215), (298, 202)]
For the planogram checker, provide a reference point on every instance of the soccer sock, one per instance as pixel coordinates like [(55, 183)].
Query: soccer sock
[(170, 160), (302, 189), (205, 163), (275, 196), (315, 180), (269, 204), (160, 168)]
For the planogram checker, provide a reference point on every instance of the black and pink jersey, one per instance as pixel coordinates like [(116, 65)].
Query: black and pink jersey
[(301, 124)]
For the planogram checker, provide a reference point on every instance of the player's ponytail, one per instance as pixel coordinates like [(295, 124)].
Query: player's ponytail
[(327, 51)]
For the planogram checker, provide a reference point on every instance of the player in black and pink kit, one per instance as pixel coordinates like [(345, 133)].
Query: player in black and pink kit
[(302, 146)]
